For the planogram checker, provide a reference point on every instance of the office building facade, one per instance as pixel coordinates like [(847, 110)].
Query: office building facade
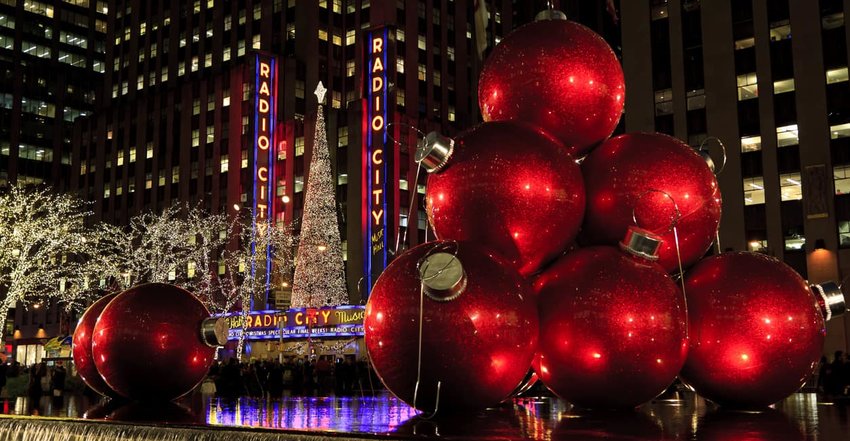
[(769, 79)]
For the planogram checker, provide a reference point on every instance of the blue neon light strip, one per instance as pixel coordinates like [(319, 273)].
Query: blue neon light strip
[(384, 163)]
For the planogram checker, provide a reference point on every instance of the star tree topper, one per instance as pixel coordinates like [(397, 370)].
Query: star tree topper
[(320, 92)]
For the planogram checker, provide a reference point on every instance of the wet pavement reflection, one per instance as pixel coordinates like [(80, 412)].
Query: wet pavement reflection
[(681, 416)]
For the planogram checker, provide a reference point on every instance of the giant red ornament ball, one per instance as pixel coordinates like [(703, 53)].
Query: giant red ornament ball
[(478, 334), (559, 76), (82, 347), (147, 343), (633, 172), (508, 186), (756, 330), (612, 328)]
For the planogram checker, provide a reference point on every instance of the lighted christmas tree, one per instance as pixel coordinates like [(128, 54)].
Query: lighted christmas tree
[(319, 269)]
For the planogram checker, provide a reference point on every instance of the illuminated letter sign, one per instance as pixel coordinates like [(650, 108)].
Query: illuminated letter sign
[(265, 99), (375, 170)]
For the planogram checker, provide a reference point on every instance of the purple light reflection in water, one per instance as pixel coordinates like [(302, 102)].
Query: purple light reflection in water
[(381, 414)]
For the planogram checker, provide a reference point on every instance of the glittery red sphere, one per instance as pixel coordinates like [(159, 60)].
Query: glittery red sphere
[(559, 76), (512, 188), (612, 328), (82, 351), (147, 343), (478, 345), (624, 173), (756, 331)]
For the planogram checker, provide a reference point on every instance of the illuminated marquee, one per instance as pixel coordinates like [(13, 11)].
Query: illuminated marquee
[(340, 321), (375, 174), (265, 103)]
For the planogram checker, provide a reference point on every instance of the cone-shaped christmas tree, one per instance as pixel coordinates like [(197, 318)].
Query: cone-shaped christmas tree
[(319, 269)]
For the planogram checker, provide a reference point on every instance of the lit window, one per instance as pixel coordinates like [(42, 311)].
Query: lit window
[(422, 72), (790, 186), (839, 131), (841, 174), (399, 35), (299, 146), (750, 143), (350, 37), (255, 42), (132, 154), (196, 138), (783, 86), (745, 43), (421, 43), (149, 150), (224, 163), (787, 136), (747, 86), (754, 191), (780, 31), (323, 35), (836, 75), (342, 137), (349, 68), (756, 246), (210, 134)]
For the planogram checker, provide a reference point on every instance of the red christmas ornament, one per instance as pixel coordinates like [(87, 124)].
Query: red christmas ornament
[(82, 351), (612, 328), (507, 186), (155, 342), (557, 75), (756, 328), (479, 327), (630, 174)]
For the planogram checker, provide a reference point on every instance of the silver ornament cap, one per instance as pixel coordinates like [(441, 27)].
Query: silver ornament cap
[(642, 243), (831, 299), (443, 277), (214, 331), (434, 152), (550, 14)]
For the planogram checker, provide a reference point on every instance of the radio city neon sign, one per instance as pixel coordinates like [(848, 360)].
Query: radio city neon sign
[(378, 85), (263, 135), (374, 157)]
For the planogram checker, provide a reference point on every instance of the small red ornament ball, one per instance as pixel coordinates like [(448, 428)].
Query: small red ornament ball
[(512, 188), (629, 172), (82, 347), (612, 329), (559, 76), (147, 343), (478, 345), (756, 331)]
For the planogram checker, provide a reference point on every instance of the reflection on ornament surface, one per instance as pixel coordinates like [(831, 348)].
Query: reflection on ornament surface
[(755, 329), (612, 328), (512, 188), (558, 75)]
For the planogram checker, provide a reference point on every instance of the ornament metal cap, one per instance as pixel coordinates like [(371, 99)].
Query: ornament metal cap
[(642, 243), (434, 151), (214, 331), (550, 14), (830, 299), (443, 277)]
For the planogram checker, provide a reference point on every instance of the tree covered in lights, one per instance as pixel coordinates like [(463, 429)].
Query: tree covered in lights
[(238, 283), (46, 250), (319, 268), (181, 245)]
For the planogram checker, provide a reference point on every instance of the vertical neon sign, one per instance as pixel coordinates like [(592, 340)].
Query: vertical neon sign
[(265, 105), (375, 174)]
